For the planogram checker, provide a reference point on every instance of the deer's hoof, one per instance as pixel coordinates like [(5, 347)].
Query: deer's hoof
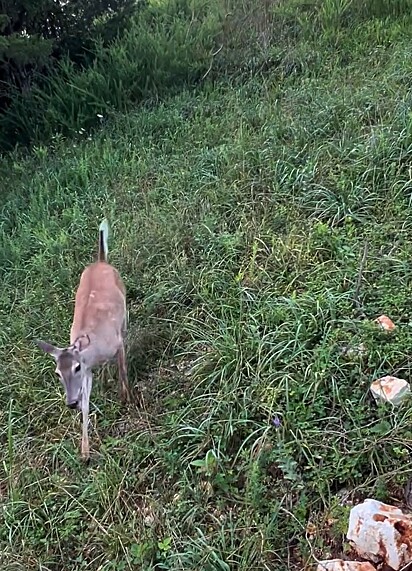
[(85, 455), (125, 396)]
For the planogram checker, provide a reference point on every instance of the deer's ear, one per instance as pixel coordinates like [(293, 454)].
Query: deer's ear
[(81, 343), (48, 348)]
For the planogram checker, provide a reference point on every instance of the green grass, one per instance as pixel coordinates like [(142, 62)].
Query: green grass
[(239, 216)]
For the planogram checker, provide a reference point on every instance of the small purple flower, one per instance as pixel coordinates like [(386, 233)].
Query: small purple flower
[(276, 421)]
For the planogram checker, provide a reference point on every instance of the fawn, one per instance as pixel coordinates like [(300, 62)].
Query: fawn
[(96, 336)]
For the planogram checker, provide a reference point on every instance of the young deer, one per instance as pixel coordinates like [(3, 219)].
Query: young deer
[(97, 334)]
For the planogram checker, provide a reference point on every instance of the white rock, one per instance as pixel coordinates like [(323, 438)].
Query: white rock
[(385, 323), (390, 389), (381, 533), (341, 565)]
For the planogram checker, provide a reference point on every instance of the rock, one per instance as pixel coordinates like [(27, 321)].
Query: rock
[(349, 352), (390, 389), (341, 565), (385, 323), (381, 533)]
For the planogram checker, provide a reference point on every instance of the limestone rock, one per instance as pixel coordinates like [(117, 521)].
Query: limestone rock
[(381, 533), (341, 565), (390, 389), (385, 323)]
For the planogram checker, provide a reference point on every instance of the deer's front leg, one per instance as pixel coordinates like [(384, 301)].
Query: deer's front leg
[(86, 390)]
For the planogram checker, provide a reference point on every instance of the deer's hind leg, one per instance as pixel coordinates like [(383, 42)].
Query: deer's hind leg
[(123, 378)]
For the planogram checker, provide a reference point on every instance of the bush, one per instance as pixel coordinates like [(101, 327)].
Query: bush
[(165, 47), (35, 35)]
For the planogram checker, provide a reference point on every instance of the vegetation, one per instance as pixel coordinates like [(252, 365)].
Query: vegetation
[(163, 47), (240, 210), (35, 35)]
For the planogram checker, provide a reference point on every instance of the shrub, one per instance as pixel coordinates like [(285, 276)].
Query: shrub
[(167, 46)]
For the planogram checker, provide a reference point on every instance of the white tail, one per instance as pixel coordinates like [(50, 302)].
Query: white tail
[(96, 335), (103, 241)]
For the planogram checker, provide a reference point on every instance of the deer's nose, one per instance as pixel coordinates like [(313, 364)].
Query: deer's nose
[(73, 405)]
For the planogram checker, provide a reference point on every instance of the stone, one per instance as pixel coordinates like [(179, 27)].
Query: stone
[(381, 533), (341, 565), (390, 389), (354, 352), (385, 323)]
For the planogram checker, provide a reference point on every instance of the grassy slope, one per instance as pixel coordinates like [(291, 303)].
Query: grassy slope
[(239, 214)]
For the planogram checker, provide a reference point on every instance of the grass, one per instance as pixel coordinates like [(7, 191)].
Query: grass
[(239, 213)]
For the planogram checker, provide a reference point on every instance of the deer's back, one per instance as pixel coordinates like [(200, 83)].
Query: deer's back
[(100, 300)]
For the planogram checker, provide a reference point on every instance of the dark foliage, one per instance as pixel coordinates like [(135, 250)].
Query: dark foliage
[(34, 34)]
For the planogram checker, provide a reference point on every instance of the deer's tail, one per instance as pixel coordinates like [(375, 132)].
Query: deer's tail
[(103, 241)]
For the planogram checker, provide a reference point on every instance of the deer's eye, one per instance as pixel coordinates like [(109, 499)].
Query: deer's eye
[(77, 368)]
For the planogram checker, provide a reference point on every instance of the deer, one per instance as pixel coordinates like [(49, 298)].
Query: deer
[(97, 335)]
